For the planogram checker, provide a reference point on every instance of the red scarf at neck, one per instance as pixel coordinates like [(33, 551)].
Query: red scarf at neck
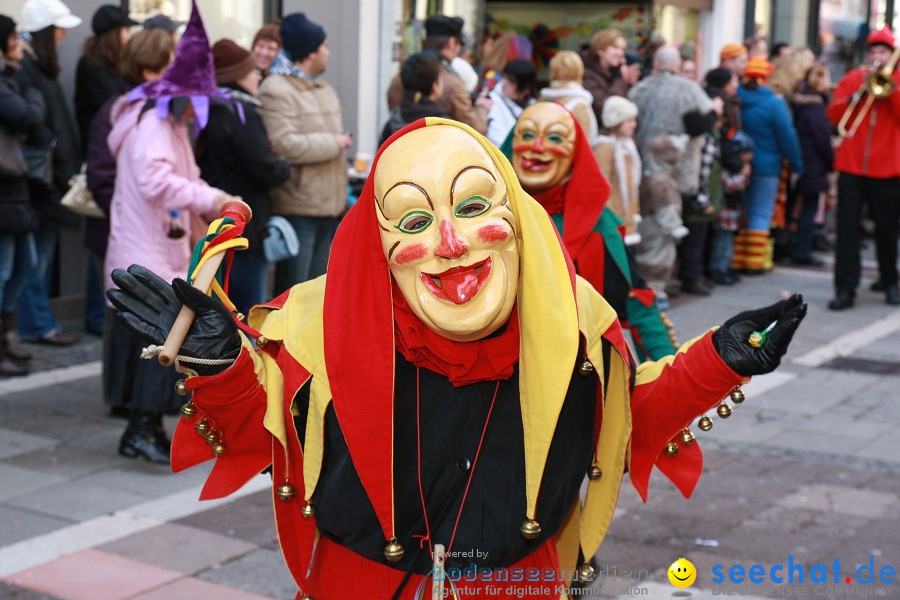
[(553, 200), (488, 359)]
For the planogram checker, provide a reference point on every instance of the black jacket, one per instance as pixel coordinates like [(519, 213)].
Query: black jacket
[(95, 83), (408, 111), (58, 125), (237, 158), (101, 177), (20, 112), (814, 133), (494, 502)]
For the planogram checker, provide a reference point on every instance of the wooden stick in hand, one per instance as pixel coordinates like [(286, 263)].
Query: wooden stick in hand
[(239, 211)]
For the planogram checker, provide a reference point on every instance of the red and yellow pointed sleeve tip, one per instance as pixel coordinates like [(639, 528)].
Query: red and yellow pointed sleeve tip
[(668, 396)]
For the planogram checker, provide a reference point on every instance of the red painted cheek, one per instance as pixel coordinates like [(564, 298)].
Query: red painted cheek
[(524, 147), (558, 151), (410, 253), (492, 233)]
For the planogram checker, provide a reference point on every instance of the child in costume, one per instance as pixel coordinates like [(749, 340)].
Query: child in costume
[(621, 164), (449, 381), (661, 226), (551, 155), (737, 157)]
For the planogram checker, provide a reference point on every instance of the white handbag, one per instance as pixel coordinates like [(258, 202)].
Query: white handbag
[(79, 199)]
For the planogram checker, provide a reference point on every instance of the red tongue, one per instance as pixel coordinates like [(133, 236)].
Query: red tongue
[(527, 163), (460, 287)]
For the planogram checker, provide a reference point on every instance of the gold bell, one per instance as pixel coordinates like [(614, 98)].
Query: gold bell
[(285, 492), (219, 449), (181, 388), (586, 573), (188, 409), (737, 395), (261, 342), (530, 529), (306, 597), (724, 410), (393, 551), (594, 473), (238, 315), (212, 437), (202, 427), (687, 437), (705, 423), (671, 449), (585, 368), (308, 511)]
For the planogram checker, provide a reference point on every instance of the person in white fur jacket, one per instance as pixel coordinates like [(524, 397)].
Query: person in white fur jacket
[(620, 162), (566, 77)]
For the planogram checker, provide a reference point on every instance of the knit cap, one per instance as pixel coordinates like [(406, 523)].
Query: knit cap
[(617, 110), (300, 36), (231, 61)]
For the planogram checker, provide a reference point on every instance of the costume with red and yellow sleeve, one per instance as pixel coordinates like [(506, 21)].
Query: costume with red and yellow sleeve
[(378, 437)]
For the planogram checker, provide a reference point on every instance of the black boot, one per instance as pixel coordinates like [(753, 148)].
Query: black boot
[(159, 432), (138, 441), (843, 300), (9, 367), (13, 352)]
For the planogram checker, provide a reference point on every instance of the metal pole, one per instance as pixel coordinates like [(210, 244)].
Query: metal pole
[(749, 18), (812, 31)]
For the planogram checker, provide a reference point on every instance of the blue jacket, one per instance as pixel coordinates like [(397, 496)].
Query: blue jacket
[(767, 121)]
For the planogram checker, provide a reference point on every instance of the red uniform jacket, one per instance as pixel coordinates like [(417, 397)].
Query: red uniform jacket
[(874, 150)]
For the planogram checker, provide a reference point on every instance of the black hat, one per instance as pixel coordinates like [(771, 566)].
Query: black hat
[(163, 22), (7, 28), (443, 25), (109, 17), (718, 78), (300, 36)]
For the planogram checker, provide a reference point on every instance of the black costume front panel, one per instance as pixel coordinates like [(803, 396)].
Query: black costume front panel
[(452, 421)]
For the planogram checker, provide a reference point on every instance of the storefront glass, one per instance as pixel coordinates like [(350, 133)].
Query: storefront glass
[(548, 27), (235, 19), (843, 26), (679, 26)]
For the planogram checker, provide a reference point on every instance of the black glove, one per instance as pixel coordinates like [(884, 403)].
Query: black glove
[(731, 340), (147, 306)]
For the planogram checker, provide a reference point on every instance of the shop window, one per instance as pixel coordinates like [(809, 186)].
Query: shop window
[(235, 19), (542, 29), (679, 26), (843, 26)]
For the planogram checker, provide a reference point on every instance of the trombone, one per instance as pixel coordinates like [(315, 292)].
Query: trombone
[(878, 84)]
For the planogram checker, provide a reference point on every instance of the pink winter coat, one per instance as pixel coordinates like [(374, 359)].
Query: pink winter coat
[(155, 174)]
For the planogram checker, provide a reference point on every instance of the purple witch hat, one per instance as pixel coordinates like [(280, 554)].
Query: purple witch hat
[(192, 75)]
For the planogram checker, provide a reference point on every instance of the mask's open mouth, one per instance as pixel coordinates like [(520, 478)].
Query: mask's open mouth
[(535, 164), (459, 284)]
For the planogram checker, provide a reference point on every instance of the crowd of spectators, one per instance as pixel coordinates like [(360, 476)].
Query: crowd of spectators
[(715, 176)]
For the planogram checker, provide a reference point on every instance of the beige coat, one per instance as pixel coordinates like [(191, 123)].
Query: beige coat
[(302, 117), (621, 164), (455, 97)]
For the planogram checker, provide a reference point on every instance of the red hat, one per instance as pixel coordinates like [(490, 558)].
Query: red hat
[(882, 36)]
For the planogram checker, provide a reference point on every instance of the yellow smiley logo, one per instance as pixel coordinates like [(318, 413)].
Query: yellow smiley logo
[(682, 573)]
